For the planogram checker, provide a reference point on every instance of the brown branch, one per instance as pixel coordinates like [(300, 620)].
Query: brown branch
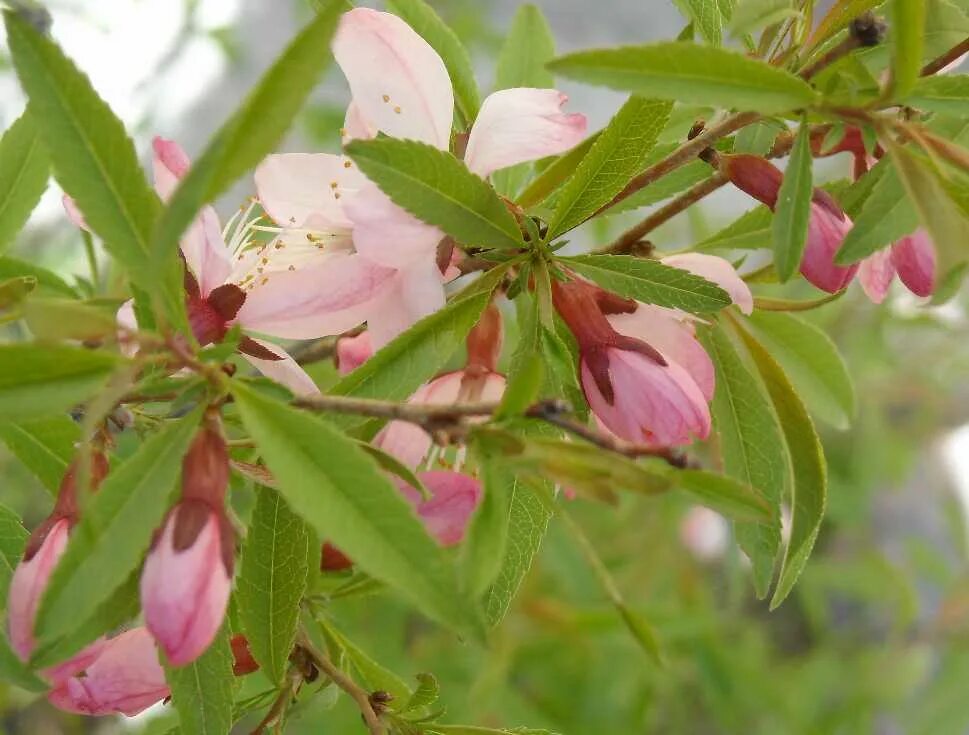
[(947, 58), (359, 695)]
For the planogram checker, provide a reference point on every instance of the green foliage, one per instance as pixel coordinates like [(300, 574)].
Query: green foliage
[(437, 188), (275, 565), (13, 538), (24, 170), (686, 72), (750, 231), (617, 155), (793, 210), (650, 281), (948, 95), (45, 446), (355, 506), (487, 537), (907, 39), (753, 15), (202, 691), (886, 215), (707, 17)]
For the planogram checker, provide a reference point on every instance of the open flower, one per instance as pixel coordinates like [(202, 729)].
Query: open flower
[(912, 259), (827, 223), (125, 678), (400, 87), (187, 576)]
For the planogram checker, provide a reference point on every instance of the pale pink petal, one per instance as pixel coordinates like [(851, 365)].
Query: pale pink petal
[(285, 372), (717, 270), (312, 302), (704, 533), (656, 405), (523, 124), (205, 252), (387, 234), (169, 164), (398, 82), (826, 232), (875, 275), (408, 442), (126, 678), (454, 497), (184, 593), (352, 352), (355, 126), (76, 663), (672, 333), (307, 189), (914, 259), (414, 293), (74, 214)]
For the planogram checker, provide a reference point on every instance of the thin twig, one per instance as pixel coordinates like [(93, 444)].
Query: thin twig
[(947, 58), (344, 682)]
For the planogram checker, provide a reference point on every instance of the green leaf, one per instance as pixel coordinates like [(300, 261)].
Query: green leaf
[(202, 691), (673, 183), (793, 210), (907, 40), (437, 188), (650, 281), (13, 538), (706, 16), (354, 505), (687, 72), (401, 367), (375, 677), (94, 159), (483, 548), (643, 632), (421, 17), (427, 692), (811, 361), (886, 215), (528, 516), (16, 672), (810, 486), (46, 280), (36, 380), (24, 170), (735, 500), (752, 447), (555, 174), (618, 154), (842, 12), (58, 319), (273, 578), (948, 95), (247, 137), (107, 545), (758, 139), (750, 231), (754, 15), (44, 446)]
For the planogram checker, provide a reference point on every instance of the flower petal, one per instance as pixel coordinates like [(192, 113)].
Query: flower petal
[(169, 164), (876, 273), (285, 372), (311, 302), (352, 352), (454, 497), (398, 82), (826, 232), (717, 270), (914, 259), (73, 213), (415, 292), (307, 189), (205, 252), (523, 124)]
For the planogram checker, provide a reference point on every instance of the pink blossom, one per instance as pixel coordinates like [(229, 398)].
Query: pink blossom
[(827, 224), (704, 533), (912, 258), (126, 678), (400, 87), (187, 576), (352, 352), (717, 270), (446, 514)]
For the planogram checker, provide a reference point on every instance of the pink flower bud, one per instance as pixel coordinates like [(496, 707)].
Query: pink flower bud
[(446, 514), (352, 352), (125, 678), (187, 576), (914, 260)]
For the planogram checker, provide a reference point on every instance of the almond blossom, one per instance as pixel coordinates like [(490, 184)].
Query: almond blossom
[(400, 87)]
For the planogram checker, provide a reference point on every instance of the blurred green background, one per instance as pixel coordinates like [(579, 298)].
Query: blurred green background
[(874, 638)]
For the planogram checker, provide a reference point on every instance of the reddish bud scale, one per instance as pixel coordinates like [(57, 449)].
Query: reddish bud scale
[(242, 661), (485, 339), (332, 559)]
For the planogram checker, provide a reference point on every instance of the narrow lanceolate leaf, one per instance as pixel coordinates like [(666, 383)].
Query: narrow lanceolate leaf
[(555, 174), (750, 231), (250, 134), (752, 447), (13, 537), (115, 530), (353, 504), (650, 281), (528, 47), (706, 17), (618, 154), (948, 94), (202, 691), (946, 222), (421, 17), (886, 215), (528, 516), (24, 169), (484, 546), (437, 188), (731, 498), (47, 281), (790, 226), (753, 15), (16, 672), (810, 474), (39, 380), (94, 159), (811, 361), (907, 39), (272, 581), (686, 72), (45, 446), (399, 368)]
